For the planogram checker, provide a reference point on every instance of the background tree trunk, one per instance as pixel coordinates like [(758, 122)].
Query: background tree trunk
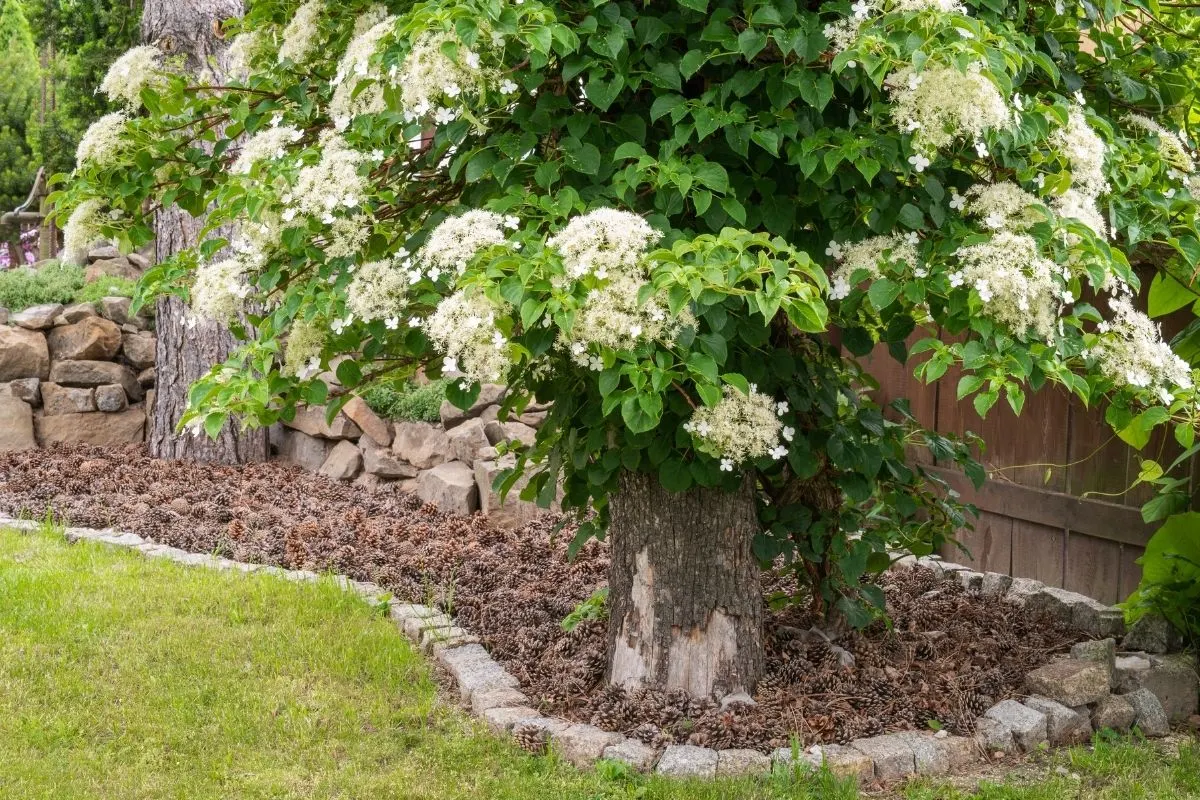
[(685, 591), (191, 28)]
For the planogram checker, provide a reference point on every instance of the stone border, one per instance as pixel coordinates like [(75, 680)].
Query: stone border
[(1069, 695)]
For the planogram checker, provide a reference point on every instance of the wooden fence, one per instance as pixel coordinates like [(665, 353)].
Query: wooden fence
[(1057, 505)]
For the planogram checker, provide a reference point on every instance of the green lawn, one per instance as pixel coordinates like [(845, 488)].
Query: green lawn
[(123, 678)]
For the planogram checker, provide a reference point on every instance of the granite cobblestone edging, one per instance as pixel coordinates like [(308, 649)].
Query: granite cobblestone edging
[(1158, 688)]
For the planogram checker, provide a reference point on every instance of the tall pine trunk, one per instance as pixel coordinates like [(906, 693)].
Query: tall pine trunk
[(685, 591), (186, 353)]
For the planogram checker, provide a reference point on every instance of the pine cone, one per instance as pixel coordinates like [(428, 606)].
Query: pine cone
[(531, 738)]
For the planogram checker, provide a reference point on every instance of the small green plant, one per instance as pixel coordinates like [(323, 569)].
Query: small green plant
[(106, 286), (1171, 577), (595, 607), (53, 283), (407, 400)]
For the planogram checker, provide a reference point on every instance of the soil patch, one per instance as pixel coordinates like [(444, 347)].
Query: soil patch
[(946, 658)]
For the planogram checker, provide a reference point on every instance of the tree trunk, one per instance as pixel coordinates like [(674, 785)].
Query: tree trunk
[(685, 591), (186, 353)]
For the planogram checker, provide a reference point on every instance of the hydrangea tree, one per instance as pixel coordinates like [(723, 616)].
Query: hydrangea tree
[(681, 222)]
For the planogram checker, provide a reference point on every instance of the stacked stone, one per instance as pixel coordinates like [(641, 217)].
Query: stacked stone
[(453, 463), (77, 373)]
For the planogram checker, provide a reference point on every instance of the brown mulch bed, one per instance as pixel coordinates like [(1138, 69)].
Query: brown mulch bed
[(947, 657)]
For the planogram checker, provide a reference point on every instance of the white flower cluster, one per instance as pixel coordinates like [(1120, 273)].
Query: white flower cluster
[(302, 356), (256, 240), (302, 35), (432, 83), (464, 328), (379, 290), (842, 33), (1131, 351), (1015, 281), (332, 183), (458, 239), (268, 143), (1085, 152), (870, 255), (940, 104), (219, 290), (239, 58), (102, 140), (138, 68), (1170, 144), (84, 226), (348, 102), (612, 317), (603, 241), (1002, 206), (741, 427), (347, 235)]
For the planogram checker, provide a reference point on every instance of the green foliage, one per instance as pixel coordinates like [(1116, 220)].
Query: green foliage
[(799, 184), (595, 607), (57, 283), (407, 400), (19, 73), (1170, 583), (105, 286)]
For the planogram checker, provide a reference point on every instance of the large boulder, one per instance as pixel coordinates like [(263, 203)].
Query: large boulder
[(27, 389), (23, 354), (90, 339), (16, 423), (94, 427), (57, 400), (102, 252), (421, 444), (118, 267), (519, 432), (139, 349), (37, 318), (96, 373), (111, 398), (311, 420), (343, 462), (466, 440), (451, 486), (78, 312), (1071, 682), (303, 450), (382, 461), (371, 424)]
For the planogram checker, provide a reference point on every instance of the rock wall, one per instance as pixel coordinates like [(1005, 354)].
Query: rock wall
[(452, 463), (78, 373)]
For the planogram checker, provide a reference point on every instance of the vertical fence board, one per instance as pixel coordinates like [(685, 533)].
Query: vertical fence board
[(1093, 567), (1131, 573), (990, 544), (1038, 552)]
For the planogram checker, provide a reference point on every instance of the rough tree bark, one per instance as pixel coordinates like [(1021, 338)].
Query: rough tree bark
[(186, 353), (685, 591)]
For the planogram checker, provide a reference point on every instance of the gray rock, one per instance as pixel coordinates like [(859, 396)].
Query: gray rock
[(1102, 651), (497, 698), (36, 318), (303, 450), (343, 462), (111, 398), (509, 432), (1127, 671), (632, 753), (504, 719), (146, 379), (139, 349), (1113, 712), (995, 584), (67, 399), (993, 735), (118, 267), (465, 440), (311, 420), (930, 758), (115, 309), (452, 415), (16, 423), (90, 339), (533, 419), (1021, 589), (436, 639), (139, 261), (474, 670), (738, 763), (381, 461), (583, 745), (23, 354), (1028, 726), (1149, 715), (27, 389), (78, 312), (891, 754), (421, 444), (93, 427), (971, 580), (1173, 681), (1064, 725), (844, 762), (1152, 633), (687, 761), (103, 252), (451, 486), (368, 421), (96, 373), (959, 750), (1071, 682), (1097, 619)]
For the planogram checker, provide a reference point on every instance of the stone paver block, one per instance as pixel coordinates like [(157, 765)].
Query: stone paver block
[(993, 735), (687, 761), (583, 745), (121, 539), (1127, 672), (1028, 726), (1173, 681), (1113, 712), (400, 612), (474, 670), (995, 584), (971, 580), (415, 626), (1149, 715), (1152, 633), (1021, 589), (504, 719), (497, 698), (959, 751), (1064, 725), (1071, 682), (737, 763), (891, 754), (632, 753), (842, 761), (453, 636), (929, 757), (1103, 651)]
